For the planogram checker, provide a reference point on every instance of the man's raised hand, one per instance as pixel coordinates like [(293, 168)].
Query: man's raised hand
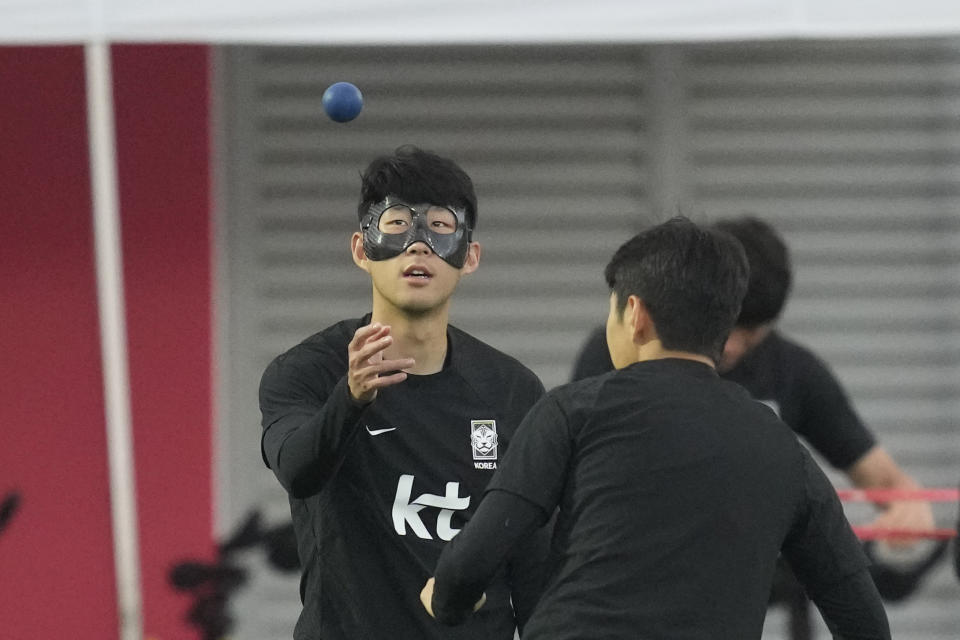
[(366, 363)]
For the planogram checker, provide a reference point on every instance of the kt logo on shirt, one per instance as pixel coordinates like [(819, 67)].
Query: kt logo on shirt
[(406, 509)]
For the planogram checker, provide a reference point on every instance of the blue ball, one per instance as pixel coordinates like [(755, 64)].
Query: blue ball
[(342, 101)]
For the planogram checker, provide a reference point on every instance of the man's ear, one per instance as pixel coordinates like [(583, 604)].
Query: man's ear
[(640, 320), (356, 250), (473, 258)]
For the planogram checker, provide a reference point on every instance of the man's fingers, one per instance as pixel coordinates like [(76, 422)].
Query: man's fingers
[(380, 367), (368, 340), (426, 597), (385, 381), (384, 366), (370, 348), (905, 516), (367, 369), (367, 332), (365, 381), (482, 601)]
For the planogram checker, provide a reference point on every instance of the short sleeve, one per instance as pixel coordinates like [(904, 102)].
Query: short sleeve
[(535, 465), (828, 420)]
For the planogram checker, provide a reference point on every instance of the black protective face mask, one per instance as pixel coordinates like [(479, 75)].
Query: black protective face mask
[(391, 226)]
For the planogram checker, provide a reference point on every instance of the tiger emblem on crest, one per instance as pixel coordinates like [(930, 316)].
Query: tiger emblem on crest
[(483, 439)]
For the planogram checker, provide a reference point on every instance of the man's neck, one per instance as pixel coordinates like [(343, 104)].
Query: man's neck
[(654, 350), (422, 337)]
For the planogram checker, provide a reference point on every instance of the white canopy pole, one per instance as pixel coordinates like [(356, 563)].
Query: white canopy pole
[(113, 338)]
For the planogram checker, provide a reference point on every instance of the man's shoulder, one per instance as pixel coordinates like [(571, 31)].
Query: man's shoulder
[(583, 394), (792, 351), (471, 353), (336, 336), (326, 348)]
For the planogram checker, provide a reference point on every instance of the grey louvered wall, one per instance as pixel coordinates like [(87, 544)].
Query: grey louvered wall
[(851, 149)]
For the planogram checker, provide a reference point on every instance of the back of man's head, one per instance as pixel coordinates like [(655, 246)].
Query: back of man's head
[(417, 177), (690, 278), (770, 273)]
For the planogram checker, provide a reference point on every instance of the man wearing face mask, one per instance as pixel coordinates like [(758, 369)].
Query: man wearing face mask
[(384, 430)]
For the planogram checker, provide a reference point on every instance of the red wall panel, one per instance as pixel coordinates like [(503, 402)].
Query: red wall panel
[(161, 95), (56, 559), (56, 556)]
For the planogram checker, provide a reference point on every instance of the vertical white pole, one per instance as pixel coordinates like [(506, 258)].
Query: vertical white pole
[(113, 338)]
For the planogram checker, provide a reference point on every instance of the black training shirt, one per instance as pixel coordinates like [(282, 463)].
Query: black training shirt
[(676, 494), (792, 381), (377, 491)]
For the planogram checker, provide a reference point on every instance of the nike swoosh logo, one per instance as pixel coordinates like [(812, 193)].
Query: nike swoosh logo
[(376, 432)]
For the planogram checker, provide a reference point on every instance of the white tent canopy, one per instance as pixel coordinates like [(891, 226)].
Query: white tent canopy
[(477, 21)]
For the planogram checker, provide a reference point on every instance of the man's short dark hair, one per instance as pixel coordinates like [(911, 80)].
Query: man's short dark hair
[(690, 278), (770, 274), (417, 176)]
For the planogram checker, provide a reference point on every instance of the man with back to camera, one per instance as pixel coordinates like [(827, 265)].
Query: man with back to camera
[(792, 380), (384, 430), (676, 490)]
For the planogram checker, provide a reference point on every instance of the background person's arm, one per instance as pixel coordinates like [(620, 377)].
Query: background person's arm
[(832, 425), (877, 470)]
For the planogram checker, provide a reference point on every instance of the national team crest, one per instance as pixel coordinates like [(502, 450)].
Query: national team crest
[(483, 439)]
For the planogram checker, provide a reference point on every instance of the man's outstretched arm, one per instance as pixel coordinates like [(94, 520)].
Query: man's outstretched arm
[(827, 558), (852, 608), (470, 561)]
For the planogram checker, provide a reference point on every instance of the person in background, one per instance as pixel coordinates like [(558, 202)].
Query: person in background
[(792, 380)]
